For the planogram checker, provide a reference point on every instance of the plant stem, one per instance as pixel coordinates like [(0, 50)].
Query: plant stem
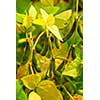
[(30, 40), (37, 40), (67, 92), (77, 1)]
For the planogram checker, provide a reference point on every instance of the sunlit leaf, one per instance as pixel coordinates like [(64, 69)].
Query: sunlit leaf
[(20, 17), (50, 20), (27, 22), (31, 81), (44, 14), (51, 9), (64, 15), (48, 91), (20, 94), (72, 69), (39, 21), (54, 30), (43, 62), (32, 12), (47, 2), (34, 96)]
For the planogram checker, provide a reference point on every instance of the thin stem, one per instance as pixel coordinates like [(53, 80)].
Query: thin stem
[(67, 92), (30, 40), (77, 1), (50, 45), (62, 58), (37, 40)]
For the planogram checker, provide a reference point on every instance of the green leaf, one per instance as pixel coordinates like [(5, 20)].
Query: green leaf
[(60, 23), (31, 81), (34, 96), (22, 5), (48, 91), (64, 15), (47, 2), (44, 14), (20, 94), (27, 22), (19, 17), (72, 69), (32, 12), (54, 29), (51, 9)]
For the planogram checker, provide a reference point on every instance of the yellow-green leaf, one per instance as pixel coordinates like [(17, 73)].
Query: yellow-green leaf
[(47, 2), (19, 17), (72, 69), (39, 21), (64, 15), (27, 22), (54, 29), (34, 96), (31, 81), (32, 12), (48, 91), (44, 14), (50, 20)]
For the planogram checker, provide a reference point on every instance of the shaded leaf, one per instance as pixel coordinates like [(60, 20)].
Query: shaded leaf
[(22, 71), (43, 62), (31, 81), (47, 2), (54, 29), (32, 12), (22, 5), (34, 96), (48, 91)]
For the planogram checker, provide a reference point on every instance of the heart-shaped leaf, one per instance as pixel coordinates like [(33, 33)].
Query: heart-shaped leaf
[(72, 69), (34, 96), (31, 81), (48, 91)]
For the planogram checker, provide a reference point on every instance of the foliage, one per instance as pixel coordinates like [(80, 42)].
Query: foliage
[(49, 49)]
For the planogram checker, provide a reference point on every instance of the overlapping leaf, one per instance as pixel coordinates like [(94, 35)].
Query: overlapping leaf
[(72, 69), (48, 91), (34, 96), (31, 81)]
